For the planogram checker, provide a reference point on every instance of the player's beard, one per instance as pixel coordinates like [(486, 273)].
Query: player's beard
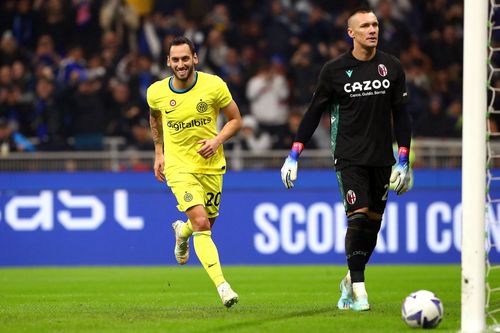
[(186, 77)]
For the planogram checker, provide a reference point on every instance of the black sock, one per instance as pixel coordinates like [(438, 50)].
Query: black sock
[(357, 276), (355, 246), (371, 233)]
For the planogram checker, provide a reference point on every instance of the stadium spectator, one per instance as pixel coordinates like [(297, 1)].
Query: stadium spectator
[(121, 17), (141, 139), (86, 113), (23, 78), (455, 112), (143, 77), (149, 39), (277, 30), (252, 139), (23, 24), (319, 30), (233, 73), (10, 51), (46, 54), (74, 61), (303, 73), (249, 139), (11, 140), (53, 20), (7, 13), (435, 122), (47, 120), (394, 33), (112, 50), (286, 139), (446, 49), (217, 18), (86, 25), (124, 109), (212, 54), (14, 104), (267, 92)]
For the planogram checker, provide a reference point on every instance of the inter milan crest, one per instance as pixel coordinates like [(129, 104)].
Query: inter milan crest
[(382, 70), (201, 107), (188, 197), (351, 197)]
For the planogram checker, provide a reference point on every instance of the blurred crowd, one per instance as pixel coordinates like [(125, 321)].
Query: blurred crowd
[(73, 72)]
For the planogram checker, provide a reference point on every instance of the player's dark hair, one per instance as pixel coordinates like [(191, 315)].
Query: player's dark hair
[(360, 9), (180, 40)]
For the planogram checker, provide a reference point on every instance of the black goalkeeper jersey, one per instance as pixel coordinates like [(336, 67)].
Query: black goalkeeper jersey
[(362, 98)]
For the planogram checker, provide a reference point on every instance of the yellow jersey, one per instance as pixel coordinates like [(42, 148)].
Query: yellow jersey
[(188, 116)]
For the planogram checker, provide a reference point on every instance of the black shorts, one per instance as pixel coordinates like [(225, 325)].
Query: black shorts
[(362, 187)]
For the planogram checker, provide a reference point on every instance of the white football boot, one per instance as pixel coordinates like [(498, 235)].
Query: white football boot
[(181, 250), (360, 297), (227, 295), (345, 300)]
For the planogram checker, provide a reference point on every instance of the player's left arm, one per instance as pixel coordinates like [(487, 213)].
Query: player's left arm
[(232, 126), (402, 125), (401, 175)]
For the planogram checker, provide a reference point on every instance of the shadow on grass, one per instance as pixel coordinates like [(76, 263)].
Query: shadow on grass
[(261, 321)]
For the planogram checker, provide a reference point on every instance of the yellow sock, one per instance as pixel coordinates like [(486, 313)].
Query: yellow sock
[(207, 254), (187, 229)]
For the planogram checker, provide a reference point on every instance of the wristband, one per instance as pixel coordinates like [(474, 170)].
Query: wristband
[(297, 148), (403, 154)]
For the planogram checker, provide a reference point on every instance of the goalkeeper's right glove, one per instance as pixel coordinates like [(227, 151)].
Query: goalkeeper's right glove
[(401, 175), (289, 169)]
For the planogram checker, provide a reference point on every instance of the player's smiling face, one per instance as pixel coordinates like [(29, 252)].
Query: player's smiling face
[(182, 62), (363, 29)]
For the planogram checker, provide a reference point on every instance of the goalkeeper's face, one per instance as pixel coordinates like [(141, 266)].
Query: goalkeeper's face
[(182, 62), (363, 29)]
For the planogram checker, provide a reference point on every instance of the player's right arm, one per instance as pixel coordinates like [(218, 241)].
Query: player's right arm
[(308, 125), (157, 134)]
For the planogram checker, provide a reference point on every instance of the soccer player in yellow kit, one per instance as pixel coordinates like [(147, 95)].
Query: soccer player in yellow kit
[(189, 155)]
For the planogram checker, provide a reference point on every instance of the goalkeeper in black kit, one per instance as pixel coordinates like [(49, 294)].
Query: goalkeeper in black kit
[(364, 90)]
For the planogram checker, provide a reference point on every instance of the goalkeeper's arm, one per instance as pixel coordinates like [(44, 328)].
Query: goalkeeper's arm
[(401, 175), (402, 125), (307, 126)]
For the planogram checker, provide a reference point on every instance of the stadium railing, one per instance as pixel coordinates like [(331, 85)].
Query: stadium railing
[(429, 153)]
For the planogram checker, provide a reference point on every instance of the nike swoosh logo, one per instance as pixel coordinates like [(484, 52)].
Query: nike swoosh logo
[(167, 112), (212, 265)]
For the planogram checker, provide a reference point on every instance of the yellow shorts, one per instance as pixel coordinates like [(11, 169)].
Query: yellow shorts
[(197, 189)]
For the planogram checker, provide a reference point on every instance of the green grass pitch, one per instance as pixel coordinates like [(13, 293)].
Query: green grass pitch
[(182, 299)]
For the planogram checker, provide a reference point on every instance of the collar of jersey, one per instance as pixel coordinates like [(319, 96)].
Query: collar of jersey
[(182, 91), (362, 61)]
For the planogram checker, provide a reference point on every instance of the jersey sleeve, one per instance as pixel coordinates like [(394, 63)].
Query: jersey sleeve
[(150, 97), (224, 95), (400, 93), (401, 117), (319, 103)]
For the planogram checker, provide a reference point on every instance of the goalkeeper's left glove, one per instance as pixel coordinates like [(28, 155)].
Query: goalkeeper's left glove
[(289, 169), (401, 175)]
